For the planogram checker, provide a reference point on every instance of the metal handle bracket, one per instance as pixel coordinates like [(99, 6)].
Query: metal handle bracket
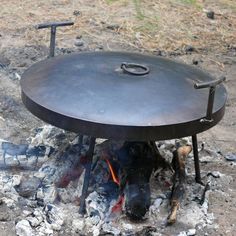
[(212, 86), (53, 26)]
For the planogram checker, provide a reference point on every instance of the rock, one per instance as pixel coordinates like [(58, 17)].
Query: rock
[(76, 13), (23, 228), (156, 205), (54, 216), (44, 230), (215, 174), (231, 157), (46, 136), (27, 213), (10, 202), (113, 27), (191, 232), (78, 225), (36, 219), (79, 43), (100, 47), (127, 226), (22, 64), (96, 205), (34, 222), (4, 61), (189, 48), (40, 175), (4, 212), (195, 62), (158, 52), (183, 233), (210, 14), (79, 36), (17, 76), (72, 192), (28, 186), (50, 194), (108, 228)]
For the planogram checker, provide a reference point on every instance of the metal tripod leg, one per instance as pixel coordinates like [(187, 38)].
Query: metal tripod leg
[(196, 159), (89, 156), (81, 137)]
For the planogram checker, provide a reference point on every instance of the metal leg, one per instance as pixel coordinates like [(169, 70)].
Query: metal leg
[(89, 156), (81, 137), (196, 159)]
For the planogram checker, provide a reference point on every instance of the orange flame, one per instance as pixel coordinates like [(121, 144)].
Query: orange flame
[(113, 174)]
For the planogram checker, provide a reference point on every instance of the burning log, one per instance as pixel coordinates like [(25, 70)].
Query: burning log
[(137, 161), (178, 190)]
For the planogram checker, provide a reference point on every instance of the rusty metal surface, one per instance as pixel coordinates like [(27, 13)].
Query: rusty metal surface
[(91, 94)]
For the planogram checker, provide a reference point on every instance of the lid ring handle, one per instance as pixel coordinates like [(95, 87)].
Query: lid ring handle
[(134, 69)]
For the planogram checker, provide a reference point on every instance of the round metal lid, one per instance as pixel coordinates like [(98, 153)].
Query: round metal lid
[(120, 95)]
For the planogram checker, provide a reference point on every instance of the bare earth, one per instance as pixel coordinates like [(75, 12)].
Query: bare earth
[(166, 28)]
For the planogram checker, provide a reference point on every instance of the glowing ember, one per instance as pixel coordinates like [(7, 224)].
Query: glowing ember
[(118, 206), (113, 174)]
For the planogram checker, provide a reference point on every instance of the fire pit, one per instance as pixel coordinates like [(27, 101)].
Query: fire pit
[(120, 95)]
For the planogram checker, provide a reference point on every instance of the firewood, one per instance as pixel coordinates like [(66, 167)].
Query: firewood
[(178, 189)]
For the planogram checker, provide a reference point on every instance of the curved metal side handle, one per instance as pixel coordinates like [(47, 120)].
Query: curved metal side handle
[(212, 85), (53, 26)]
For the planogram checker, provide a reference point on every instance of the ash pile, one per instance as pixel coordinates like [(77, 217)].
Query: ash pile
[(41, 186)]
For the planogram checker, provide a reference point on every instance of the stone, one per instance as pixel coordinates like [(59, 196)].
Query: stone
[(183, 233), (17, 76), (79, 36), (54, 216), (96, 205), (4, 61), (189, 48), (10, 202), (27, 213), (191, 232), (78, 225), (215, 174), (210, 14), (108, 228), (156, 205), (28, 186), (40, 175), (4, 212), (23, 228), (127, 226), (231, 157), (113, 27), (45, 136), (79, 43), (76, 13), (50, 194), (34, 221)]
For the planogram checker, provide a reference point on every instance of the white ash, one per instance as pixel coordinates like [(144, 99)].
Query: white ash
[(23, 228), (60, 205), (191, 232)]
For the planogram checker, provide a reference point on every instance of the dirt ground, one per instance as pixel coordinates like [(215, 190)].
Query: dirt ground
[(179, 29)]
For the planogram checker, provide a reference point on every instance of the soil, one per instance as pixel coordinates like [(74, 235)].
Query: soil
[(144, 26)]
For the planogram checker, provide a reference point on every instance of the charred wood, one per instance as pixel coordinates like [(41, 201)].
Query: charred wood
[(178, 189)]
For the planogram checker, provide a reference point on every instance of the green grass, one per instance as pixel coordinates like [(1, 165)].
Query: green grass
[(139, 13), (192, 2), (111, 1)]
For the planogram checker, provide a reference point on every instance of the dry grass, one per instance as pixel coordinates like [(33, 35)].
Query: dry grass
[(142, 24)]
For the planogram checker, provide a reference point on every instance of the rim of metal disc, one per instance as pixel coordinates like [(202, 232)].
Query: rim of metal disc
[(122, 132)]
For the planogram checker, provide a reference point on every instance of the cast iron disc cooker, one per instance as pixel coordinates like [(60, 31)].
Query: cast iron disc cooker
[(120, 95)]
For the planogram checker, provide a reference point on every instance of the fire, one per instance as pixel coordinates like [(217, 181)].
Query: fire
[(113, 174)]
